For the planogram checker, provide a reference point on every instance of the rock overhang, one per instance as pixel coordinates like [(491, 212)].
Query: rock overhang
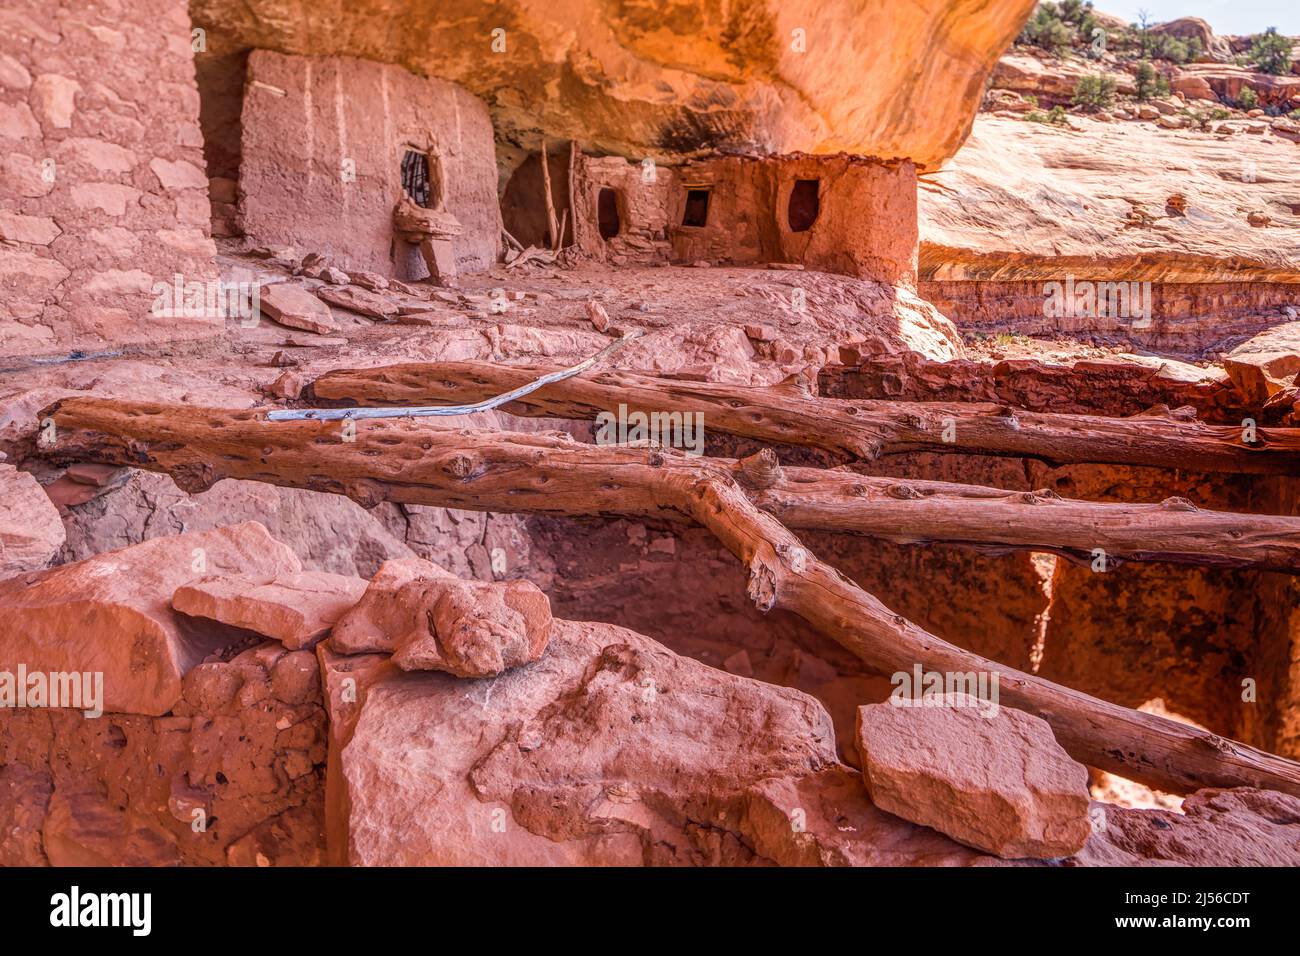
[(675, 79)]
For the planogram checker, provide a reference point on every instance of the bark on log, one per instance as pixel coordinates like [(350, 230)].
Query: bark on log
[(908, 511), (509, 472), (861, 430)]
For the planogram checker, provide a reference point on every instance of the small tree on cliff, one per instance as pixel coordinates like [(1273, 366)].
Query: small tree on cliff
[(1094, 92), (1271, 52), (1148, 82), (1046, 30)]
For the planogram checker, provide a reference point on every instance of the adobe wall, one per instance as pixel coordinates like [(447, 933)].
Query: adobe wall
[(102, 184), (866, 225), (322, 145)]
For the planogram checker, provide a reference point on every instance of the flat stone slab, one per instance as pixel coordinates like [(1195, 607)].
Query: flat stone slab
[(295, 609), (994, 779), (292, 304), (112, 613), (31, 532)]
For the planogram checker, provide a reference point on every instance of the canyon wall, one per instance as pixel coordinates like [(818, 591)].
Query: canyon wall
[(102, 181)]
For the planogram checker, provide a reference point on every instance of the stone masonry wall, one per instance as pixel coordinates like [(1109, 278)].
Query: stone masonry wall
[(103, 191)]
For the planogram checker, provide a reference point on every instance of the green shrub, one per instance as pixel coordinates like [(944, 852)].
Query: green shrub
[(1094, 92), (1046, 30), (1271, 53), (1149, 83), (1053, 117), (1248, 99)]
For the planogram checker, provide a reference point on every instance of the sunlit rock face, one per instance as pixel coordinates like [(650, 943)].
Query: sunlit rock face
[(674, 77)]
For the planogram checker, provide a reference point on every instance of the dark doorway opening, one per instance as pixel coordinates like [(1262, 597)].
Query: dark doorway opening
[(697, 208), (415, 178), (607, 213), (804, 205)]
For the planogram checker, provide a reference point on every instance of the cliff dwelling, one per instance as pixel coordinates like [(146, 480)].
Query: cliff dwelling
[(717, 434)]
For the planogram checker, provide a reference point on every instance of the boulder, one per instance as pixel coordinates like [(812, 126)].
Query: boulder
[(112, 613), (430, 620), (296, 609), (31, 533), (1263, 365), (609, 750), (992, 779), (292, 304), (1238, 827)]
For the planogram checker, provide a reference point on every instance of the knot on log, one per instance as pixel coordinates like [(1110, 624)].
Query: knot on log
[(1219, 744), (906, 492), (365, 493), (194, 477), (1175, 503), (1026, 498), (762, 585), (760, 470), (462, 466), (1049, 494), (795, 556)]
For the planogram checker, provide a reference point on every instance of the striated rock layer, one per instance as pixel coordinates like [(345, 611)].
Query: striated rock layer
[(870, 77)]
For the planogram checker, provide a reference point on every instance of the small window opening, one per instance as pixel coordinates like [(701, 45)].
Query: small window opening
[(804, 204), (415, 177), (607, 213), (697, 208)]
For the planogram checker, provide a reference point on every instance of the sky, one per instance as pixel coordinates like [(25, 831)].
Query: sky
[(1225, 16)]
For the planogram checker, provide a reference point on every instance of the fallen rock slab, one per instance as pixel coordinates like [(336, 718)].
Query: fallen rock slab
[(296, 609), (294, 305), (1265, 364), (112, 613), (31, 533), (358, 300), (996, 780), (430, 620)]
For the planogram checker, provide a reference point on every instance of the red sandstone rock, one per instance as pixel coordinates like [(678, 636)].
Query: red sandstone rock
[(31, 533), (358, 300), (111, 613), (293, 305), (610, 749), (1265, 364), (430, 620), (1000, 783), (297, 609), (1241, 827)]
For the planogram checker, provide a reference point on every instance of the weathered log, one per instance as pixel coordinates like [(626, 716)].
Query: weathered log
[(397, 461), (908, 511), (863, 430)]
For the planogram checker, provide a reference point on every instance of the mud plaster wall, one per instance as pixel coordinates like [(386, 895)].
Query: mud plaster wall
[(102, 184), (866, 226), (304, 118)]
